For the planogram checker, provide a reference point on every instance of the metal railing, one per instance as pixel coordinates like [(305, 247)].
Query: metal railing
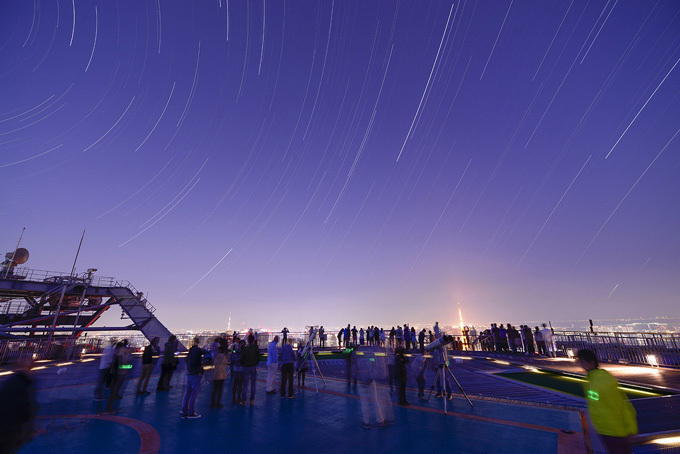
[(42, 349), (263, 338), (14, 307), (58, 277), (132, 288), (661, 349)]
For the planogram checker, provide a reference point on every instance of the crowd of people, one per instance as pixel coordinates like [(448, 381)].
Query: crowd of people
[(497, 338), (510, 339), (238, 357), (377, 364)]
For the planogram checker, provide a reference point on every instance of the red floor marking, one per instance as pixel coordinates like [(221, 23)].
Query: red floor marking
[(586, 431), (151, 441)]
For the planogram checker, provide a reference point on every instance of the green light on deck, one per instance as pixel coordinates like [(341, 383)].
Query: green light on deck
[(371, 359), (125, 366), (593, 395)]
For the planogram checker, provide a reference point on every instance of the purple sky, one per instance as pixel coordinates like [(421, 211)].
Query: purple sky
[(296, 162)]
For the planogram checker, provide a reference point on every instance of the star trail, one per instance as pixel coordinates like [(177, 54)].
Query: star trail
[(318, 162)]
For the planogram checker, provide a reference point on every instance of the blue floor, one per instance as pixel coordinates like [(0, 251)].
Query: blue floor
[(329, 421)]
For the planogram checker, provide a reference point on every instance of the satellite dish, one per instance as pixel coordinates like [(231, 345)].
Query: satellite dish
[(21, 256)]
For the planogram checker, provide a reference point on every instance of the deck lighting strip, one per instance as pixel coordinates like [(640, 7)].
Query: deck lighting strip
[(667, 441)]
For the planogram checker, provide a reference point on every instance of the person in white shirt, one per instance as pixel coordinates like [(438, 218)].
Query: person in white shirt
[(104, 369), (272, 364), (547, 335)]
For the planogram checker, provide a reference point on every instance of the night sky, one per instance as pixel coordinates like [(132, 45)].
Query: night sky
[(379, 162)]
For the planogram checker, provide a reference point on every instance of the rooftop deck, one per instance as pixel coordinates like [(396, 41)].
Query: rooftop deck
[(507, 415)]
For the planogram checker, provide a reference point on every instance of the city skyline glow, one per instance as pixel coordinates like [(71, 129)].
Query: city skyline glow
[(379, 163)]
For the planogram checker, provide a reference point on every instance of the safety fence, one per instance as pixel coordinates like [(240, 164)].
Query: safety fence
[(11, 350), (58, 277), (264, 338), (655, 349), (61, 279)]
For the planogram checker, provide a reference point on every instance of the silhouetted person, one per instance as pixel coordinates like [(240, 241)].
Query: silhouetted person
[(529, 340), (272, 364), (17, 408), (168, 364), (301, 367), (147, 366), (287, 359), (400, 362), (193, 380), (250, 358), (237, 385)]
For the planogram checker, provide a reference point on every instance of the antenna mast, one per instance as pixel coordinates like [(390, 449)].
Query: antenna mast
[(15, 251)]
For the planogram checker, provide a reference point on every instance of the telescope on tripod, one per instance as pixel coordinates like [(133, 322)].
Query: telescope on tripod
[(440, 342), (308, 351), (443, 367)]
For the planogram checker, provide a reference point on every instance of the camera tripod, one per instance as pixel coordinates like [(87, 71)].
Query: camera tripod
[(308, 351), (442, 370)]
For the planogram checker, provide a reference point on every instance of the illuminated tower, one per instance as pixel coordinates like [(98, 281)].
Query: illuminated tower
[(460, 318)]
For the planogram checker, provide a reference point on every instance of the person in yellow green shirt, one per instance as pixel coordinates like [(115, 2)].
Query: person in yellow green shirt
[(610, 410)]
